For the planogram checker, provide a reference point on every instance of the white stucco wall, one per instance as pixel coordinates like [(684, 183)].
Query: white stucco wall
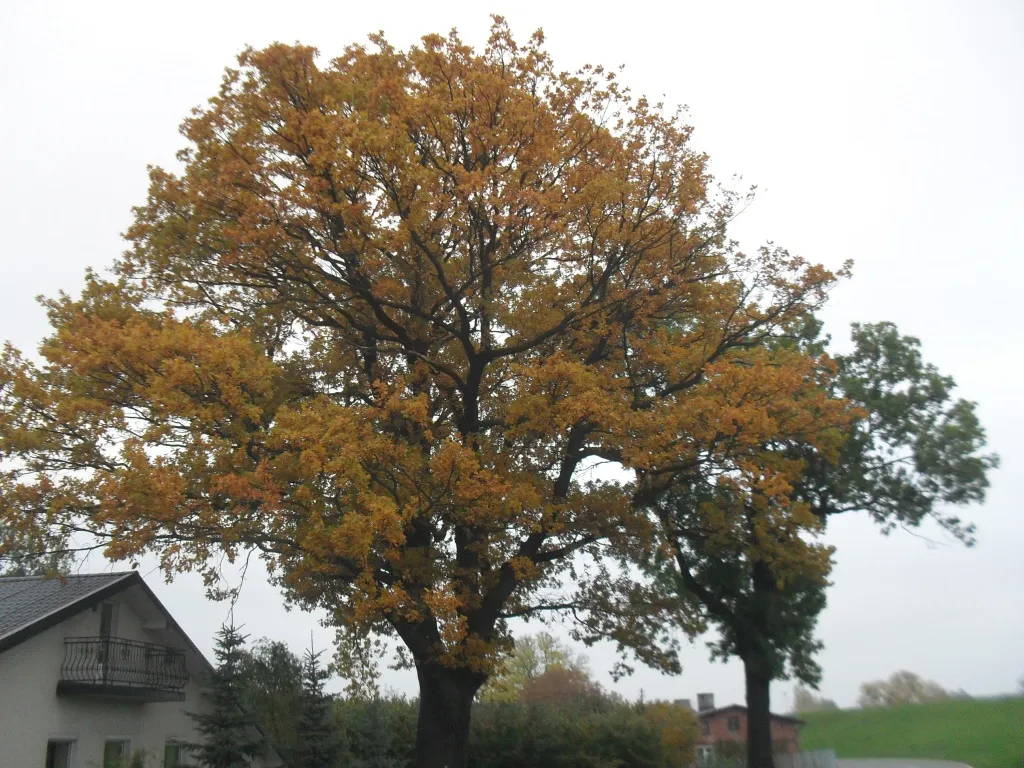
[(31, 712)]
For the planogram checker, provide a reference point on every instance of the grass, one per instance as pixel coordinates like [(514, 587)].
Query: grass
[(980, 733)]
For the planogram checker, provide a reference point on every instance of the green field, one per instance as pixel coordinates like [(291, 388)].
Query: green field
[(983, 734)]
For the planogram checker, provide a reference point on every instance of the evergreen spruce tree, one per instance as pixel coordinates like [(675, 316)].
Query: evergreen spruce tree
[(228, 730), (318, 744)]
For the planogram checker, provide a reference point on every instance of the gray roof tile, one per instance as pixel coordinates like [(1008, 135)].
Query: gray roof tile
[(25, 600)]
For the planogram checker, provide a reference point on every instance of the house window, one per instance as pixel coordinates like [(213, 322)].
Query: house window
[(734, 725), (175, 755), (58, 753), (705, 755), (705, 728), (115, 753)]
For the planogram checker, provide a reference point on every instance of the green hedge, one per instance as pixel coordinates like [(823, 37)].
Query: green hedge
[(592, 734)]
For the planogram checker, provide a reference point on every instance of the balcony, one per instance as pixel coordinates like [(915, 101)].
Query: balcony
[(122, 669)]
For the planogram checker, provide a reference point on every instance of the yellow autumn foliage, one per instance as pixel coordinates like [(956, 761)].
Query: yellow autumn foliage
[(383, 323)]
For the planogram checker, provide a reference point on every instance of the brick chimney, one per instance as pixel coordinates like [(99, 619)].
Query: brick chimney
[(684, 703), (705, 702)]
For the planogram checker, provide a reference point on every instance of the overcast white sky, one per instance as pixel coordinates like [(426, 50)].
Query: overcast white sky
[(890, 133)]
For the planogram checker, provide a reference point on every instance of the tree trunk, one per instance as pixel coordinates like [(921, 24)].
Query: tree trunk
[(446, 699), (759, 721)]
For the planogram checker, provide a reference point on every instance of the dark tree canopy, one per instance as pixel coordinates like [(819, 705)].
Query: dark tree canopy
[(911, 453), (271, 689), (917, 451)]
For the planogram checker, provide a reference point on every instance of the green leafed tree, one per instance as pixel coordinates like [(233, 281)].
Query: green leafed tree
[(530, 658), (760, 581), (917, 453), (272, 691), (912, 454)]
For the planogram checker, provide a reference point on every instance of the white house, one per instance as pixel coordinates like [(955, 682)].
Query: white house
[(94, 670)]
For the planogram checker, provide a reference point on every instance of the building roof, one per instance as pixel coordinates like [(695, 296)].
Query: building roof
[(741, 708), (30, 604)]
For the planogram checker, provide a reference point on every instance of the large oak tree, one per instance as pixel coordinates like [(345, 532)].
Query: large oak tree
[(379, 327)]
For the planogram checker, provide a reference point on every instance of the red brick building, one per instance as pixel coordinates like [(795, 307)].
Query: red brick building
[(727, 725)]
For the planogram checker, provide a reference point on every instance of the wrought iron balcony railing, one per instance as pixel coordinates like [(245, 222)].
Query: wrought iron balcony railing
[(117, 663)]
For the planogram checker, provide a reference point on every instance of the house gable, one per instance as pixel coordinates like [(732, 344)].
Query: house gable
[(32, 604), (87, 661)]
